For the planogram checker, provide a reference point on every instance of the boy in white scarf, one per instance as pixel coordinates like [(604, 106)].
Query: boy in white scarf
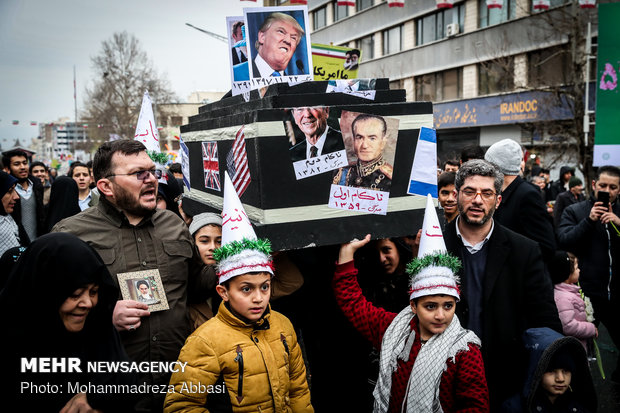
[(428, 362)]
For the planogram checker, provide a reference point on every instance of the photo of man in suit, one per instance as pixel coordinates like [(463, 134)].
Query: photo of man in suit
[(320, 139), (278, 38), (239, 50)]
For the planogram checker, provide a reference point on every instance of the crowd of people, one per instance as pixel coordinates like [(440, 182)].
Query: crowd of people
[(500, 317)]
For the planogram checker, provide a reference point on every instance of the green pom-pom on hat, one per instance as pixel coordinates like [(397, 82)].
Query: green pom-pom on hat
[(236, 247), (437, 259), (158, 157)]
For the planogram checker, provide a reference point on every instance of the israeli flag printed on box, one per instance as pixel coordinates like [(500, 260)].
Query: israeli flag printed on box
[(423, 179)]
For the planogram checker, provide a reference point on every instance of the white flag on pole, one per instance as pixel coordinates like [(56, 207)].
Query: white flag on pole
[(423, 178), (146, 131)]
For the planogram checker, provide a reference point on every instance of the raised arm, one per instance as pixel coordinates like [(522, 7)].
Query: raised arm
[(369, 320)]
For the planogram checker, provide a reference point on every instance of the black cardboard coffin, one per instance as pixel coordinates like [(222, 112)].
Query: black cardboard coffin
[(294, 213)]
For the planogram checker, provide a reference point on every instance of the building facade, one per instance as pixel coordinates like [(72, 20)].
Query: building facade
[(490, 73)]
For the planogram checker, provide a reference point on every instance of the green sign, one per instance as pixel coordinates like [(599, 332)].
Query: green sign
[(607, 137)]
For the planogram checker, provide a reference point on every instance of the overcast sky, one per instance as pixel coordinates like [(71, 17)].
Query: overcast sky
[(41, 41)]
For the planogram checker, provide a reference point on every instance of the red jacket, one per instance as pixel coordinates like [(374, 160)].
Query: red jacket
[(463, 386)]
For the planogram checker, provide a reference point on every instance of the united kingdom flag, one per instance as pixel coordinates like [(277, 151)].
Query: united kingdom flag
[(211, 166)]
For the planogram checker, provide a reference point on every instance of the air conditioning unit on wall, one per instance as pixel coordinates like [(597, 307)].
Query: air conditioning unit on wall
[(452, 29)]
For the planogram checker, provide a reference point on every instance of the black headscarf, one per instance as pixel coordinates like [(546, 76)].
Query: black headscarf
[(64, 201), (6, 182), (47, 273)]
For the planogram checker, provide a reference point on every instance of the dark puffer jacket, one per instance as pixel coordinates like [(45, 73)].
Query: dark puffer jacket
[(543, 344)]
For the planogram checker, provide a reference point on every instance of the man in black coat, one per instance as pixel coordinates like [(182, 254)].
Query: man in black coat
[(319, 138), (587, 230), (522, 209), (567, 198), (29, 210), (561, 185), (504, 289), (238, 53)]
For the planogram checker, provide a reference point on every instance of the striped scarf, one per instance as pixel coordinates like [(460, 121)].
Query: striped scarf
[(422, 394)]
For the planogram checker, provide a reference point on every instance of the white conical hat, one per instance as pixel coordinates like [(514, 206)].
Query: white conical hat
[(434, 270), (241, 252), (432, 237), (235, 222)]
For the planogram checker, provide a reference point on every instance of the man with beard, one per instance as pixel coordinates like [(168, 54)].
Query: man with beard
[(130, 234), (29, 210), (504, 288), (278, 38), (319, 138)]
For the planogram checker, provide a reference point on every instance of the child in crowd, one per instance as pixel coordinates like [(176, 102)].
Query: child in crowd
[(246, 358), (206, 229), (428, 361), (571, 307), (558, 378)]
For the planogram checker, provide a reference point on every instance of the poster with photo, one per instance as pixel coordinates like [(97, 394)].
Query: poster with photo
[(145, 287), (316, 142), (370, 142), (238, 51), (364, 184), (335, 62), (278, 45)]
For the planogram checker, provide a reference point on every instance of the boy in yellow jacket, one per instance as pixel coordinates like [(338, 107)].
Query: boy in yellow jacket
[(246, 358)]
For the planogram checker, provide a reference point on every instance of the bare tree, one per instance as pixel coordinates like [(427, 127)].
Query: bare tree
[(122, 73), (559, 71)]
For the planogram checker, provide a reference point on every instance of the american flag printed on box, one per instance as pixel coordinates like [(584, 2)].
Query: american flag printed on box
[(237, 164)]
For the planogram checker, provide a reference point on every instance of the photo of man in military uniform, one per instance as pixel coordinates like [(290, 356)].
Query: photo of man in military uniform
[(371, 169)]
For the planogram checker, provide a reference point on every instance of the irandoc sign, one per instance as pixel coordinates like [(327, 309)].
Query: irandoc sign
[(606, 138)]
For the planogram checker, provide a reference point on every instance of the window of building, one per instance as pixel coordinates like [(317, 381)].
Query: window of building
[(593, 74), (363, 4), (176, 120), (393, 40), (496, 76), (320, 18), (440, 86), (433, 26), (340, 12), (489, 17), (552, 3), (547, 67), (367, 46)]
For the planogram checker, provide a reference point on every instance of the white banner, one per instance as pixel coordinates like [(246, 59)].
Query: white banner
[(146, 131)]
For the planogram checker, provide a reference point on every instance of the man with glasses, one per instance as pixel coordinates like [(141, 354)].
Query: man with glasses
[(130, 234), (504, 288)]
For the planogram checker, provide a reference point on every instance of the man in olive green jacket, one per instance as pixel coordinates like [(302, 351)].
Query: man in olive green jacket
[(130, 234)]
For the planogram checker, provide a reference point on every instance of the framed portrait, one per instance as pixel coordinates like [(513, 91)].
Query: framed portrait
[(145, 287), (278, 42), (316, 141), (370, 142), (238, 50)]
